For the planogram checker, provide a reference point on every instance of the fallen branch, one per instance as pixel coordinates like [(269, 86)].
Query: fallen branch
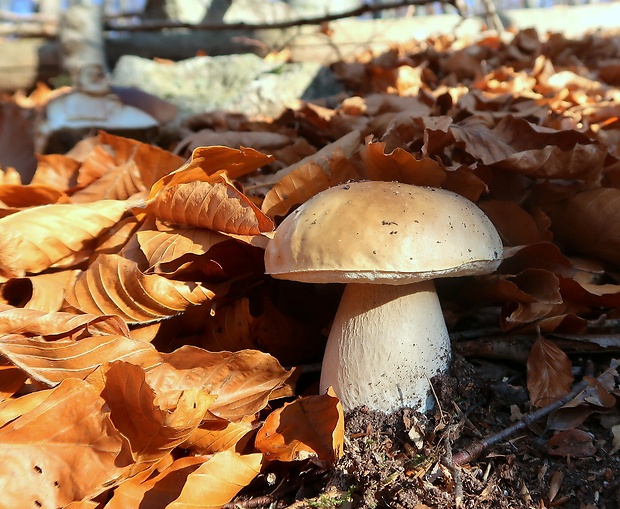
[(473, 450), (150, 26)]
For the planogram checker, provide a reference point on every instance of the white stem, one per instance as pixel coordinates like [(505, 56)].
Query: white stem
[(385, 345)]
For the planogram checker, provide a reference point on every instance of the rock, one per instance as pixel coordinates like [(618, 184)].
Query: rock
[(242, 83)]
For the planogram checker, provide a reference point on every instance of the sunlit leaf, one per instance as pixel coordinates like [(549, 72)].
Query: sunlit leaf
[(37, 238), (115, 285), (242, 381), (51, 362), (311, 427), (64, 449), (151, 429)]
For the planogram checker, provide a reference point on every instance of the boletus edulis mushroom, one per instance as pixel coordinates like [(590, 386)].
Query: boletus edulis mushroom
[(387, 241)]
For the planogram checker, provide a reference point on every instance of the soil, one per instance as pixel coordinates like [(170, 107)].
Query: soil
[(404, 460)]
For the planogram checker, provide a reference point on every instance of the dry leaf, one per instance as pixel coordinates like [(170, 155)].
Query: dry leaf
[(217, 205), (65, 449), (242, 381), (115, 285), (52, 362), (151, 428), (549, 375), (34, 239), (311, 427), (574, 442)]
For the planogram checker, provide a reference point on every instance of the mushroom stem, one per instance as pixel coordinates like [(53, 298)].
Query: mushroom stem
[(385, 345)]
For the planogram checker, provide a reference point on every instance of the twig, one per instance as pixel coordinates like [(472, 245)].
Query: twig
[(473, 450), (317, 20)]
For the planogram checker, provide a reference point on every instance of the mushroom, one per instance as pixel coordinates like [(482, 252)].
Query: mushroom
[(387, 241)]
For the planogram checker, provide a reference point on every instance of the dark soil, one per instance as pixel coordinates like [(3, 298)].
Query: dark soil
[(404, 460)]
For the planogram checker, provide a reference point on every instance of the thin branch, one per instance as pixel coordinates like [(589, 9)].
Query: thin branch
[(149, 26), (473, 450)]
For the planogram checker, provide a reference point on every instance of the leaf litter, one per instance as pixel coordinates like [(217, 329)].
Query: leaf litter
[(148, 361)]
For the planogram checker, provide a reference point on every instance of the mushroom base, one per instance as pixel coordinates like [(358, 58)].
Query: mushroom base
[(385, 345)]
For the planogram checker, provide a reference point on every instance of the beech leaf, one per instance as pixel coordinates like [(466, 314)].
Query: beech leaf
[(51, 362), (311, 427), (549, 375), (37, 238), (242, 381), (115, 285), (152, 430), (63, 450)]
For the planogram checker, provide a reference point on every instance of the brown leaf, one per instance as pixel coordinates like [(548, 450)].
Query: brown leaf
[(589, 222), (169, 244), (217, 205), (549, 375), (153, 425), (207, 162), (32, 195), (207, 482), (11, 380), (311, 427), (37, 238), (401, 166), (295, 188), (52, 362), (64, 449), (27, 322), (573, 442), (123, 167), (242, 381), (114, 285), (41, 292), (216, 436), (516, 226), (56, 170), (517, 145)]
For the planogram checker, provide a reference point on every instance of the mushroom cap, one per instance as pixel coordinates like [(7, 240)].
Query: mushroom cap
[(384, 233)]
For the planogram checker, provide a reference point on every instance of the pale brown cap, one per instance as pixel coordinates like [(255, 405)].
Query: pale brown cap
[(384, 233)]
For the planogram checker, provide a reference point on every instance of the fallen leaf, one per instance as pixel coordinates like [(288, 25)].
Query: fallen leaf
[(311, 427), (115, 285), (35, 239), (64, 450), (549, 375)]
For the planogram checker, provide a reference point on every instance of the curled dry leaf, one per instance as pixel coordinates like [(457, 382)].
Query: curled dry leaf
[(217, 205), (311, 427), (56, 170), (11, 380), (151, 428), (121, 167), (35, 239), (549, 375), (400, 165), (216, 436), (516, 226), (63, 450), (207, 162), (51, 362), (242, 381), (115, 285), (161, 247), (19, 196), (42, 292), (295, 188), (207, 482), (517, 145), (59, 325)]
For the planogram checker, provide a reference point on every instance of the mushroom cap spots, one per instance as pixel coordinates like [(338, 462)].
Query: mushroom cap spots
[(385, 233)]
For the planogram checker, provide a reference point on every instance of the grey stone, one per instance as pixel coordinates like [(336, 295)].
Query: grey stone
[(239, 83)]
